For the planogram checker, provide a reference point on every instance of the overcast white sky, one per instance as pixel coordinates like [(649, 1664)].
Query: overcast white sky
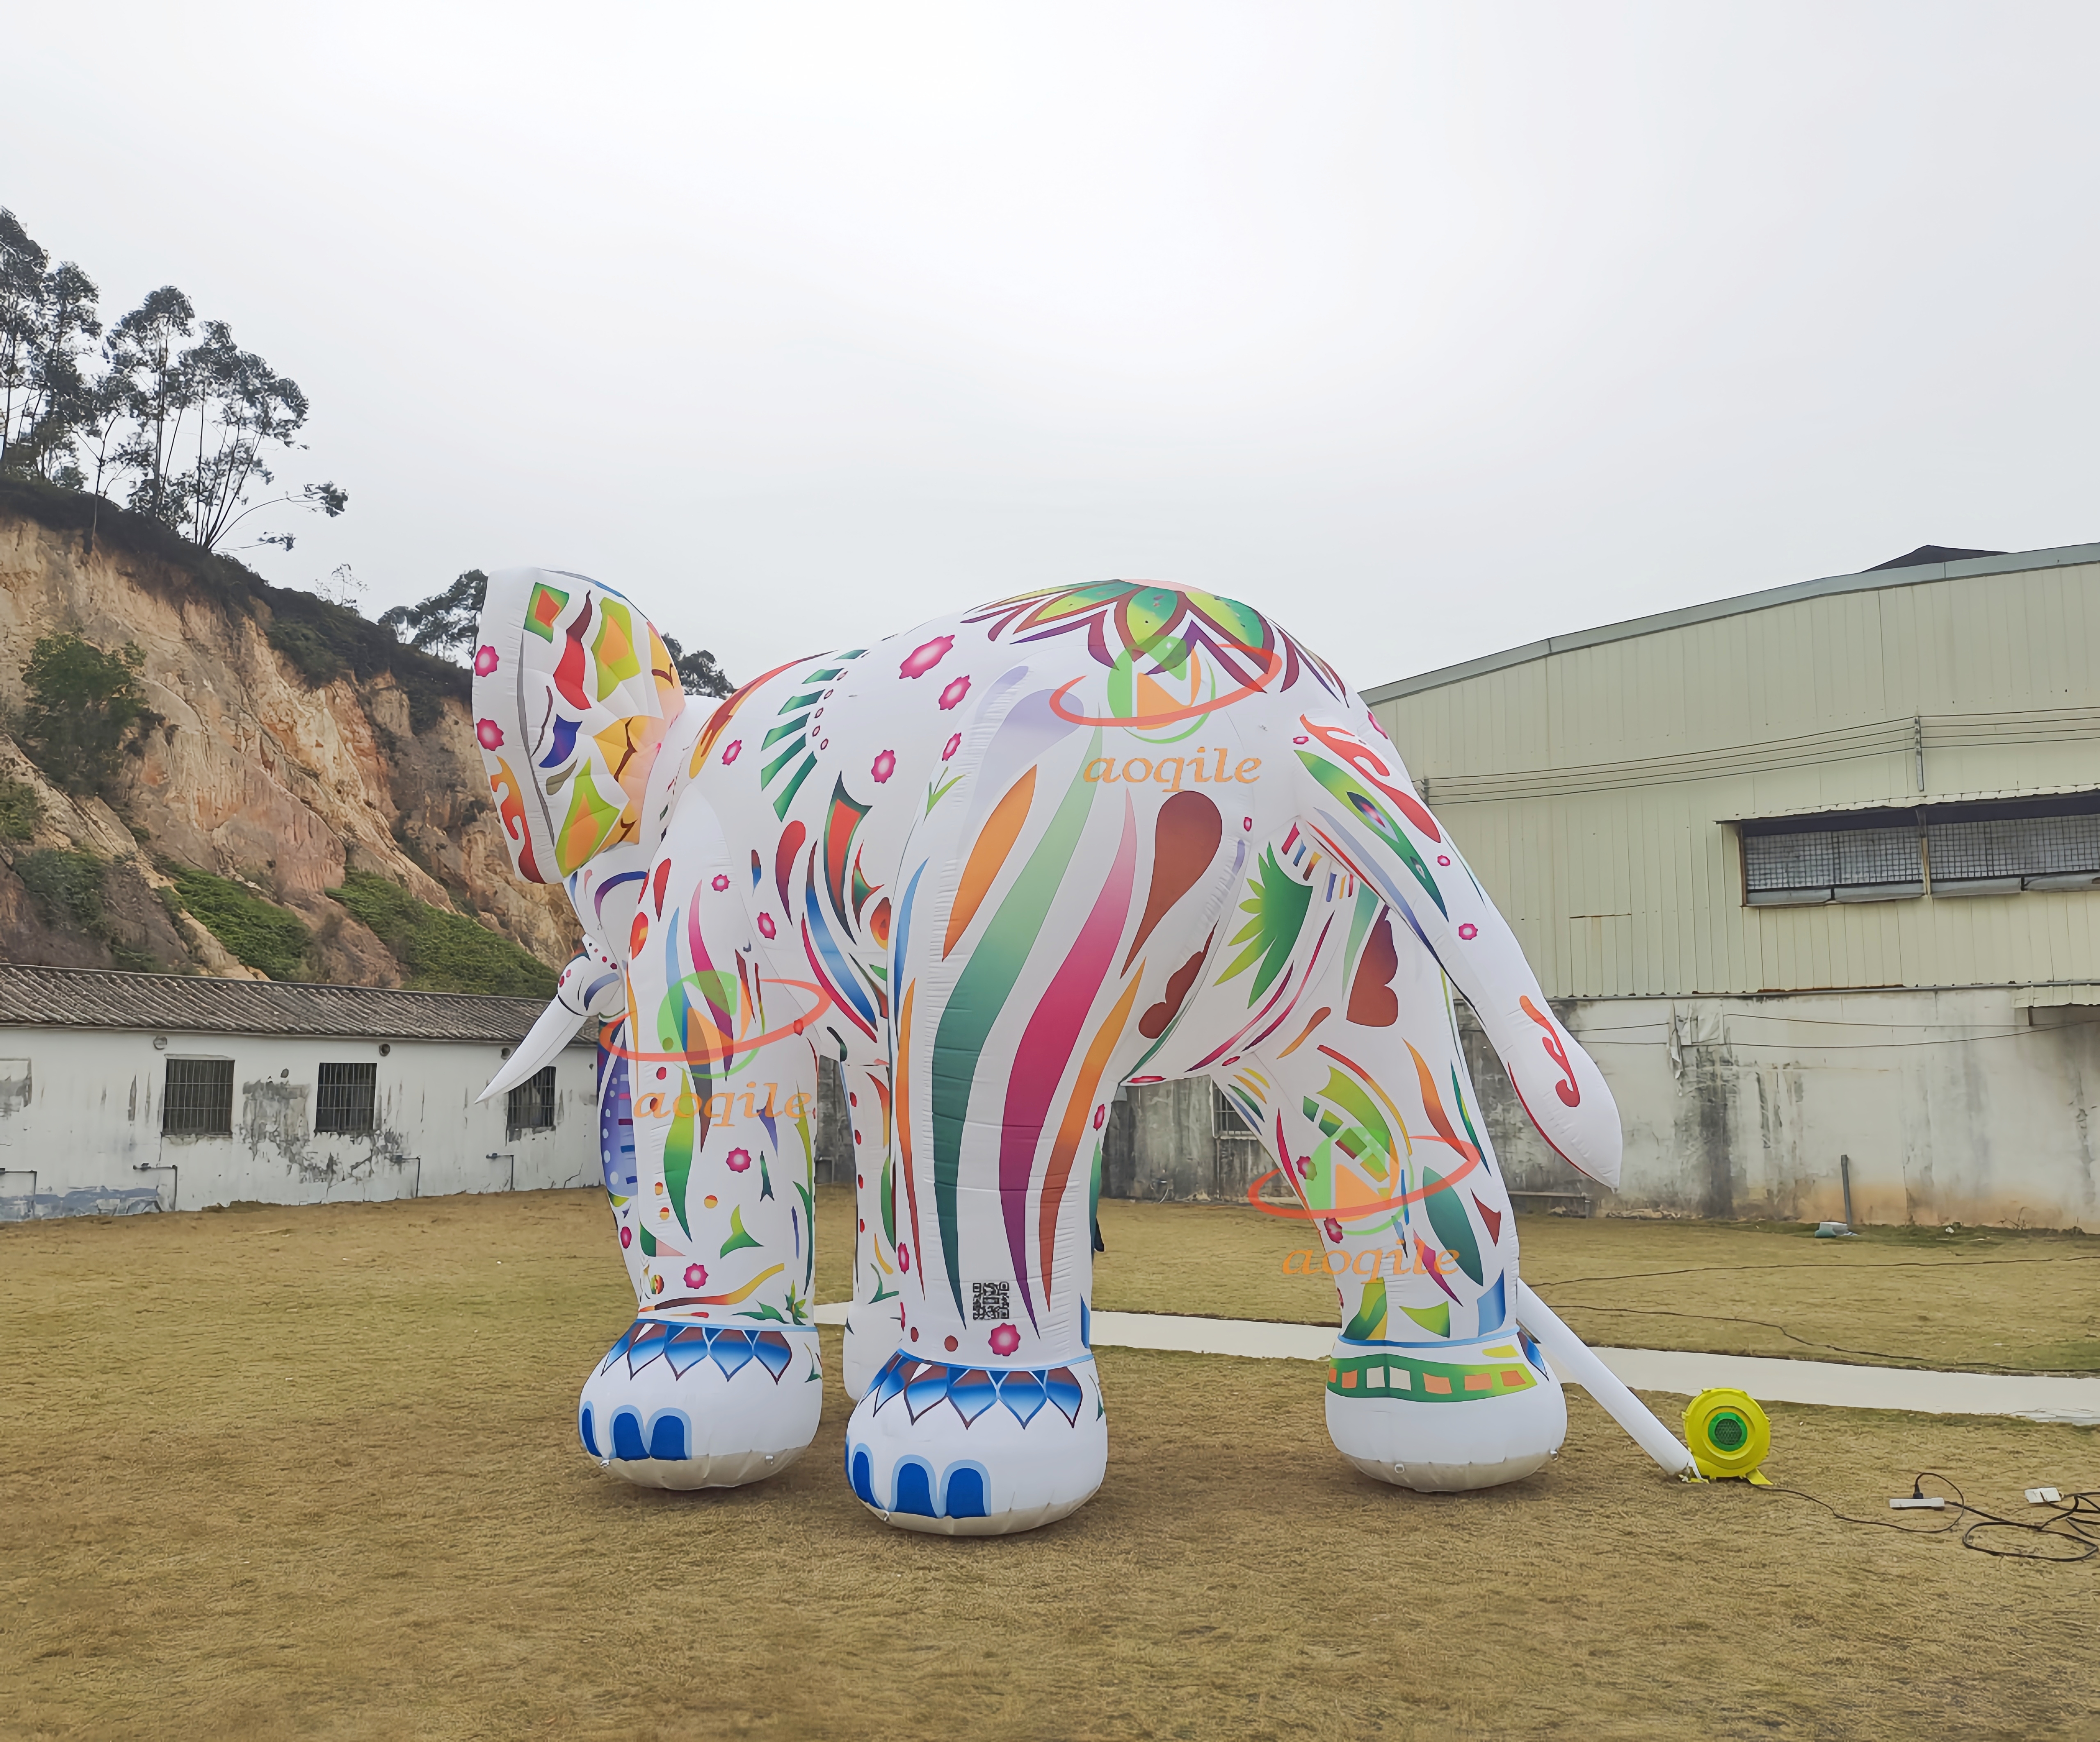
[(1430, 329)]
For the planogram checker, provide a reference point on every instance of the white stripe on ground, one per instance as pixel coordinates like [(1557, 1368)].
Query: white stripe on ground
[(2034, 1397)]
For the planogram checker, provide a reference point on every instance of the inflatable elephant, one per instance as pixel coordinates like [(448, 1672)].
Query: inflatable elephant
[(995, 868)]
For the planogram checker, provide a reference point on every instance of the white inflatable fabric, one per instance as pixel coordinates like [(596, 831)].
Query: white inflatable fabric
[(994, 868), (1604, 1385)]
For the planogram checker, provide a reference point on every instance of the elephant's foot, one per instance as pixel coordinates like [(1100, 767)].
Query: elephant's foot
[(872, 1332), (1465, 1415), (964, 1451), (677, 1404)]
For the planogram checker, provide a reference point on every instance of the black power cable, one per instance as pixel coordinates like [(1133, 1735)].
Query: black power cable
[(2074, 1520)]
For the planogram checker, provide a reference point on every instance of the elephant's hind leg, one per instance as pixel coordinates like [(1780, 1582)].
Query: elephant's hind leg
[(1432, 1385)]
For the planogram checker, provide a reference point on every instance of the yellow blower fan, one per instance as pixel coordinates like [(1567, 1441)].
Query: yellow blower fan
[(1727, 1435)]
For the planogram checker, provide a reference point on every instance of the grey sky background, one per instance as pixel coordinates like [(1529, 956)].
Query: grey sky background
[(1429, 329)]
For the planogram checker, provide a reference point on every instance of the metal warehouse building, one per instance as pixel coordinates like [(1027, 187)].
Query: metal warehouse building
[(1814, 874), (123, 1092)]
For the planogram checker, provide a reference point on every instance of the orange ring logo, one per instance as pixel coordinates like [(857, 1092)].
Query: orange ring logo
[(730, 1047), (1296, 1213), (1147, 722)]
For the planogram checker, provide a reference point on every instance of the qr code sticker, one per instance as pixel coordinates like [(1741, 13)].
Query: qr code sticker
[(991, 1300)]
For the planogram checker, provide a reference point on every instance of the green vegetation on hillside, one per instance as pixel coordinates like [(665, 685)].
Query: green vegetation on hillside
[(442, 951), (256, 933), (21, 810), (324, 640), (308, 650), (319, 638), (67, 886), (83, 711)]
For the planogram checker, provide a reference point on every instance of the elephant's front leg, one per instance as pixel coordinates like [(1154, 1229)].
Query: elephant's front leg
[(1021, 1004), (872, 1322), (718, 1381)]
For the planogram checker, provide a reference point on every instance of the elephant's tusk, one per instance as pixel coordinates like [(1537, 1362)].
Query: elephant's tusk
[(590, 986), (556, 1028), (1578, 1362)]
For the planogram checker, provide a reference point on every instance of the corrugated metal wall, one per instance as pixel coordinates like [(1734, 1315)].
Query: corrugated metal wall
[(1589, 787)]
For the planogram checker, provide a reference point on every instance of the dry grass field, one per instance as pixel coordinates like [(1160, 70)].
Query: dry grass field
[(1980, 1298), (312, 1473)]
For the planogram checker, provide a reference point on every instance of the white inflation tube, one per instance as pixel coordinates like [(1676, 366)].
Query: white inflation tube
[(1577, 1362)]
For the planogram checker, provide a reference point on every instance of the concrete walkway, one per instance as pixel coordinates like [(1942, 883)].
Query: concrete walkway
[(2032, 1397)]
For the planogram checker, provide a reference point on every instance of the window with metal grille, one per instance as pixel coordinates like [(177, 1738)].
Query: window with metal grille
[(1833, 864), (1229, 1118), (1976, 846), (197, 1101), (532, 1103), (344, 1099), (2014, 847)]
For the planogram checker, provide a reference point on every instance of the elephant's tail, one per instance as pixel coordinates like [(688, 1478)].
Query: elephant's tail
[(1358, 801)]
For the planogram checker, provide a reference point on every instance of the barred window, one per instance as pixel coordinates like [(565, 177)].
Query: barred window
[(1833, 864), (198, 1098), (1228, 1118), (532, 1103), (1997, 847), (2014, 847), (344, 1101)]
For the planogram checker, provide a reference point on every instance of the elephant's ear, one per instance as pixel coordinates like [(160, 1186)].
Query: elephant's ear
[(573, 691)]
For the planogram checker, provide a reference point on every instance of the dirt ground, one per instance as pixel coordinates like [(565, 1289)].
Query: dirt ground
[(312, 1473)]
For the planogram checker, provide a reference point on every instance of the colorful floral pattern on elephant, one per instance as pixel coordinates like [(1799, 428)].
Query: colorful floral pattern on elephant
[(684, 1347), (1396, 1376), (971, 1391)]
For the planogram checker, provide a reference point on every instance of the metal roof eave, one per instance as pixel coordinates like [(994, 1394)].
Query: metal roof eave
[(1919, 801), (32, 995), (1867, 580)]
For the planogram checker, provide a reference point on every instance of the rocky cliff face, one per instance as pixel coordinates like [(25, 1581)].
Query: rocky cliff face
[(282, 773)]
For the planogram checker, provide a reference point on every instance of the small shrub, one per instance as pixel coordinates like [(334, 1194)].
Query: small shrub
[(69, 888), (20, 810), (441, 951), (308, 650), (67, 885), (83, 708), (256, 933)]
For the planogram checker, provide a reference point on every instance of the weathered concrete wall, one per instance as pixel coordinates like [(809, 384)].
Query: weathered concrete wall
[(1159, 1142), (1970, 1106), (1166, 1140), (831, 1133), (1954, 1106), (82, 1109)]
